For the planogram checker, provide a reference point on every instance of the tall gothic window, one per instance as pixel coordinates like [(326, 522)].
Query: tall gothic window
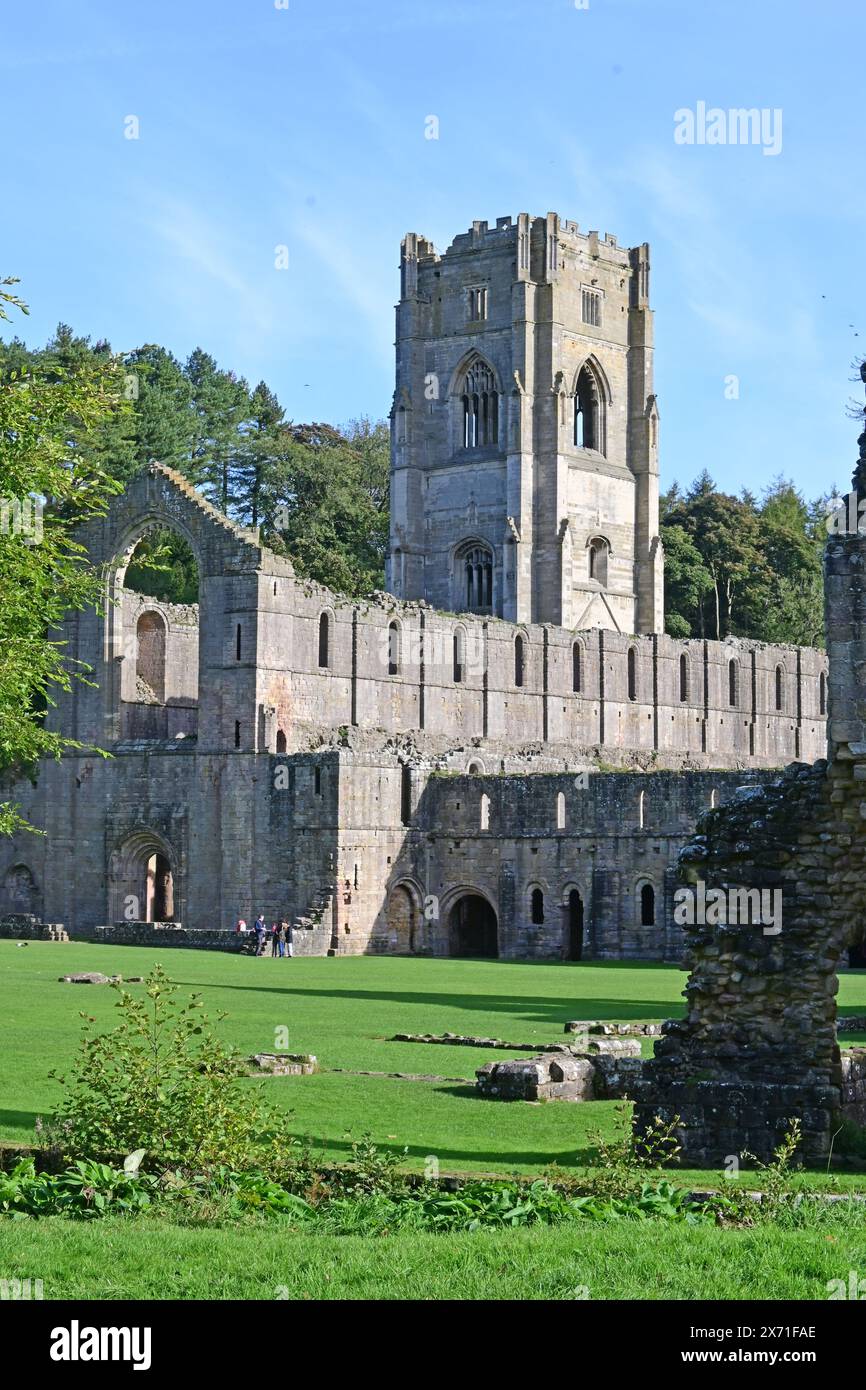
[(599, 551), (476, 565), (591, 307), (684, 677), (480, 404), (588, 422)]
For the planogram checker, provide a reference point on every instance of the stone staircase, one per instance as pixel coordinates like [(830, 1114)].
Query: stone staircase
[(312, 930)]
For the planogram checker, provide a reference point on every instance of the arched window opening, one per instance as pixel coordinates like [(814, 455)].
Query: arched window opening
[(158, 689), (536, 907), (324, 640), (485, 811), (393, 649), (480, 405), (475, 563), (281, 741), (641, 810), (237, 733), (519, 661), (599, 553), (822, 693), (150, 657), (475, 770), (684, 678), (647, 905), (459, 655), (632, 673), (778, 687), (714, 798), (574, 940), (560, 810), (317, 781), (576, 668), (587, 412), (238, 642), (733, 684)]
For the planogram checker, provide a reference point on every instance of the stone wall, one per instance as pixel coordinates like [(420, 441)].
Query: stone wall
[(605, 836)]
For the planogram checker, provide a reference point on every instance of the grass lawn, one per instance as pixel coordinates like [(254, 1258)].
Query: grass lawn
[(114, 1259), (343, 1011)]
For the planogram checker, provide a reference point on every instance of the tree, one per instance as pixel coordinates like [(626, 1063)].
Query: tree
[(51, 479), (325, 504), (220, 403)]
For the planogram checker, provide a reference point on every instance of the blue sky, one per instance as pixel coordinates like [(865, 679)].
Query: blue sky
[(304, 126)]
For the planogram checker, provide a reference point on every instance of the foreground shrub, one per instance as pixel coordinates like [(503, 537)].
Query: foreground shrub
[(86, 1189), (163, 1082)]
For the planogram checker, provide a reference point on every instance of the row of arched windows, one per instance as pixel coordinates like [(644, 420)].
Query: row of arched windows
[(482, 578), (479, 404), (645, 905)]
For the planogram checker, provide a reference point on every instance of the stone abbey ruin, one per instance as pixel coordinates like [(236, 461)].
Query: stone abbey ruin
[(503, 754)]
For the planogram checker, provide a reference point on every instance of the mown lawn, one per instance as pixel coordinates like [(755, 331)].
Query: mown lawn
[(116, 1259), (343, 1011)]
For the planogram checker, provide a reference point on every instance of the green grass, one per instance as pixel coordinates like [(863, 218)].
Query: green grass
[(115, 1259), (343, 1010)]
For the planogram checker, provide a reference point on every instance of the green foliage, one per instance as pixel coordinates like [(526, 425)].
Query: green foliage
[(742, 566), (776, 1178), (320, 494), (623, 1161), (163, 566), (325, 503), (86, 1189), (163, 1081), (51, 412)]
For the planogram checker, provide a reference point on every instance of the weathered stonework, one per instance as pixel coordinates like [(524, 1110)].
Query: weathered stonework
[(601, 1076), (29, 928), (283, 1064)]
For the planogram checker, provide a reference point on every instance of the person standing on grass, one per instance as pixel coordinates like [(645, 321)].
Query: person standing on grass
[(260, 935), (276, 940), (288, 937)]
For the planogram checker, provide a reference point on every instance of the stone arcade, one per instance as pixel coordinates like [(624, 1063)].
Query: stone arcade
[(403, 774)]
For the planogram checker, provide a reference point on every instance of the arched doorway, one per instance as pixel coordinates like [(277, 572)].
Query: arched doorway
[(160, 889), (19, 891), (574, 926), (402, 921), (150, 657), (472, 928), (142, 880)]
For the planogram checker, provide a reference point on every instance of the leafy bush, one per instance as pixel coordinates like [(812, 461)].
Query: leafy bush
[(623, 1162), (86, 1189), (163, 1082)]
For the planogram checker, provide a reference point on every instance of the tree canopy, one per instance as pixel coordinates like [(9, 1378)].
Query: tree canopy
[(744, 566)]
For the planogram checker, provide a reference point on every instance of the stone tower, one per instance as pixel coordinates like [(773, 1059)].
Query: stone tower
[(524, 479)]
